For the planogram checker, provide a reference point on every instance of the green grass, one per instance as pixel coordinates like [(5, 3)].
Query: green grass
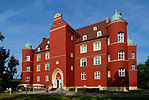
[(49, 97)]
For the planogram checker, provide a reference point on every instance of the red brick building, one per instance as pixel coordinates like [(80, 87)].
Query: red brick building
[(94, 56)]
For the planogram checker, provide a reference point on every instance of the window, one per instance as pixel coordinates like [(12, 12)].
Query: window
[(47, 78), (71, 37), (48, 42), (121, 55), (97, 46), (71, 55), (133, 66), (85, 37), (99, 33), (38, 67), (38, 78), (121, 72), (71, 67), (47, 66), (27, 68), (47, 56), (47, 47), (97, 75), (83, 62), (95, 28), (109, 73), (27, 78), (97, 60), (109, 40), (38, 57), (59, 22), (54, 25), (38, 49), (109, 57), (83, 49), (120, 37), (28, 58), (133, 55), (83, 76)]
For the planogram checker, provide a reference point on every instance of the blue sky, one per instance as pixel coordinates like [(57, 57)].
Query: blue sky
[(23, 20)]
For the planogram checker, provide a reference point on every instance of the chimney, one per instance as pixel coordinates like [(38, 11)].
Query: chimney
[(107, 19)]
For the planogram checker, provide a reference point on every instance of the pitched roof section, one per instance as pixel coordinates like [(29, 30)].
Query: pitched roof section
[(42, 45), (91, 34)]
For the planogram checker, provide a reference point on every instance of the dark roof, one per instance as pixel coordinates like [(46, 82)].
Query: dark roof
[(88, 30), (42, 45)]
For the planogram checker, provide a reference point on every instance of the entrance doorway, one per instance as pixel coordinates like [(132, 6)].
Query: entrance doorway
[(57, 79)]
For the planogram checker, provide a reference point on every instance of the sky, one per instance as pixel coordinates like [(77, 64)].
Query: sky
[(30, 20)]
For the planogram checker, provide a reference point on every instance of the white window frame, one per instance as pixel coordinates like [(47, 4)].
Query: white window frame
[(83, 75), (121, 55), (27, 57), (71, 54), (47, 78), (133, 66), (38, 49), (83, 62), (120, 37), (94, 28), (121, 72), (109, 73), (71, 68), (27, 78), (28, 68), (47, 47), (109, 40), (47, 67), (38, 78), (71, 37), (97, 60), (83, 49), (38, 68), (133, 55), (97, 75), (84, 37), (38, 57), (47, 56), (109, 58), (48, 42), (97, 46), (99, 33)]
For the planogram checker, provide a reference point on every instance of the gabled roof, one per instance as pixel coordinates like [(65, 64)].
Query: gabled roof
[(42, 45), (88, 30)]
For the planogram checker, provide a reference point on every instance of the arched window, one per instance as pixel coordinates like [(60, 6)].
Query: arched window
[(84, 37), (121, 55), (47, 47), (120, 37), (97, 75), (83, 62)]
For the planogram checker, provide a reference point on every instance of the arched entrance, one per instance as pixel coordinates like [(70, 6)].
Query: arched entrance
[(57, 78)]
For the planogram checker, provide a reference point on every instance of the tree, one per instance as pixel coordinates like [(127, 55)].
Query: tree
[(1, 36), (143, 75)]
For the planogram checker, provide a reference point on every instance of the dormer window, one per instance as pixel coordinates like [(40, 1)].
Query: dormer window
[(59, 22), (99, 33), (38, 49), (54, 25), (85, 37), (48, 42), (95, 28), (47, 47)]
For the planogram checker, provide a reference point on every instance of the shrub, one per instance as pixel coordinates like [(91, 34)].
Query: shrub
[(71, 89)]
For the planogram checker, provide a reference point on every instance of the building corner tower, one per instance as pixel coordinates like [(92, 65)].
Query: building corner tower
[(117, 54), (27, 64)]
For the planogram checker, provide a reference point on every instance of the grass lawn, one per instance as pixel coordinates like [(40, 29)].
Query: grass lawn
[(49, 97)]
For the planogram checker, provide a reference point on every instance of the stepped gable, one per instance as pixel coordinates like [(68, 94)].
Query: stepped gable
[(88, 30), (42, 45)]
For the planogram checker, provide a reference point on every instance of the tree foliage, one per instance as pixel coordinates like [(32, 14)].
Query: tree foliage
[(7, 66), (143, 75)]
